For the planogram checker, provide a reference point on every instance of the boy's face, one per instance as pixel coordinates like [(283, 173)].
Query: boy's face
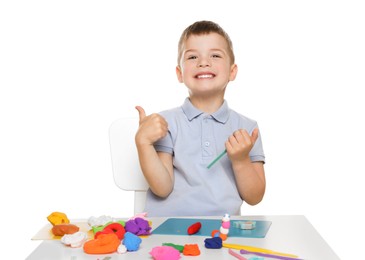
[(205, 66)]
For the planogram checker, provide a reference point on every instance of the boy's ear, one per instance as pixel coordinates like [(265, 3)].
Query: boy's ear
[(179, 74), (233, 72)]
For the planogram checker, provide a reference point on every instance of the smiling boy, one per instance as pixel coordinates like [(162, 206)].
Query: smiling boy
[(175, 146)]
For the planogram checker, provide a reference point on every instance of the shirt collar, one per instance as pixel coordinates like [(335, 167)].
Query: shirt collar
[(222, 114), (191, 112)]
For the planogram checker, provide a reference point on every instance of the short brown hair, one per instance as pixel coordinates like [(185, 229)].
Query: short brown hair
[(204, 27)]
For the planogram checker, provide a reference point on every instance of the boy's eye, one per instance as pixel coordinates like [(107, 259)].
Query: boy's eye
[(193, 57), (216, 56)]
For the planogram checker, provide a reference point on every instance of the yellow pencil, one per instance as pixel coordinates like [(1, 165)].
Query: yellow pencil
[(257, 250)]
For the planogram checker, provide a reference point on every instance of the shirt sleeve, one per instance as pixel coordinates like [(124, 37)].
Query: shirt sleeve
[(164, 144), (257, 152)]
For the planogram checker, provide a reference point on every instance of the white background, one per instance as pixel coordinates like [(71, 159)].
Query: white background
[(68, 69)]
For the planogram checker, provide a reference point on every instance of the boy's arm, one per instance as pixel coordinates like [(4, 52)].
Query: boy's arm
[(156, 167), (250, 176)]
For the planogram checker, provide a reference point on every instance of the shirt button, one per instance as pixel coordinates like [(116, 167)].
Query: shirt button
[(207, 144)]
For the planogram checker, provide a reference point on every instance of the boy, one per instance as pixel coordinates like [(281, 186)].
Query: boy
[(176, 146)]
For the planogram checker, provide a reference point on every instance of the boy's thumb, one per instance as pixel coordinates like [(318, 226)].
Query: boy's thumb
[(141, 112), (255, 135)]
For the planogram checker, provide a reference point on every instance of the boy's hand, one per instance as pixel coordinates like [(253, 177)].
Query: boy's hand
[(240, 143), (151, 128)]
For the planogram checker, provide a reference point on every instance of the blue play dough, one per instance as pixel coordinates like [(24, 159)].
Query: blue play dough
[(215, 242), (131, 241)]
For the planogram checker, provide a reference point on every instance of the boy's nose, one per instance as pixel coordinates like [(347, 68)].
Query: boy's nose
[(203, 63)]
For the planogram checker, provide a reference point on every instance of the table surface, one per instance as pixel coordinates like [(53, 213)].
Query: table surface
[(291, 234)]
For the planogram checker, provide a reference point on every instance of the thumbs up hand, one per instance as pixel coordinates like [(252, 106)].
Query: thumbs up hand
[(240, 143), (151, 128), (141, 112)]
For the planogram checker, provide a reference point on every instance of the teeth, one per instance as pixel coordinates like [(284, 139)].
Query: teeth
[(205, 76)]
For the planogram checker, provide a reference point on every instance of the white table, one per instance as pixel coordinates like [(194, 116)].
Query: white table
[(292, 234)]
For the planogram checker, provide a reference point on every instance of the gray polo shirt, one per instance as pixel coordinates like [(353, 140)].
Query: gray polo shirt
[(195, 139)]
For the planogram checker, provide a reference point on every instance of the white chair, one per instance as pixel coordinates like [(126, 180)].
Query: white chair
[(126, 169)]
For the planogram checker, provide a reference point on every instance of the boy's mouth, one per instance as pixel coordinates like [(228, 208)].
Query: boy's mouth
[(205, 76)]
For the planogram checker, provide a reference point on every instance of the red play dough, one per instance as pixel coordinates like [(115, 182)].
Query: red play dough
[(115, 228), (194, 228)]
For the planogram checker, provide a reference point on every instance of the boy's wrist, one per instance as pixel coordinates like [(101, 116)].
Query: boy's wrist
[(242, 162), (143, 145)]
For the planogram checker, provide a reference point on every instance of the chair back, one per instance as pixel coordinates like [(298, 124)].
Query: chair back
[(125, 164)]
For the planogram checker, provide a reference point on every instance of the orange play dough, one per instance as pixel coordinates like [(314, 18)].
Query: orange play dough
[(104, 244), (192, 250), (62, 229), (56, 218), (223, 236)]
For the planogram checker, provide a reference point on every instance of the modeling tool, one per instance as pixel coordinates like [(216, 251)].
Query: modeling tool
[(231, 252), (216, 159), (268, 255), (257, 250)]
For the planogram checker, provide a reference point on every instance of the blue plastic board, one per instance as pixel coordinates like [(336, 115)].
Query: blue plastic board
[(179, 226)]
